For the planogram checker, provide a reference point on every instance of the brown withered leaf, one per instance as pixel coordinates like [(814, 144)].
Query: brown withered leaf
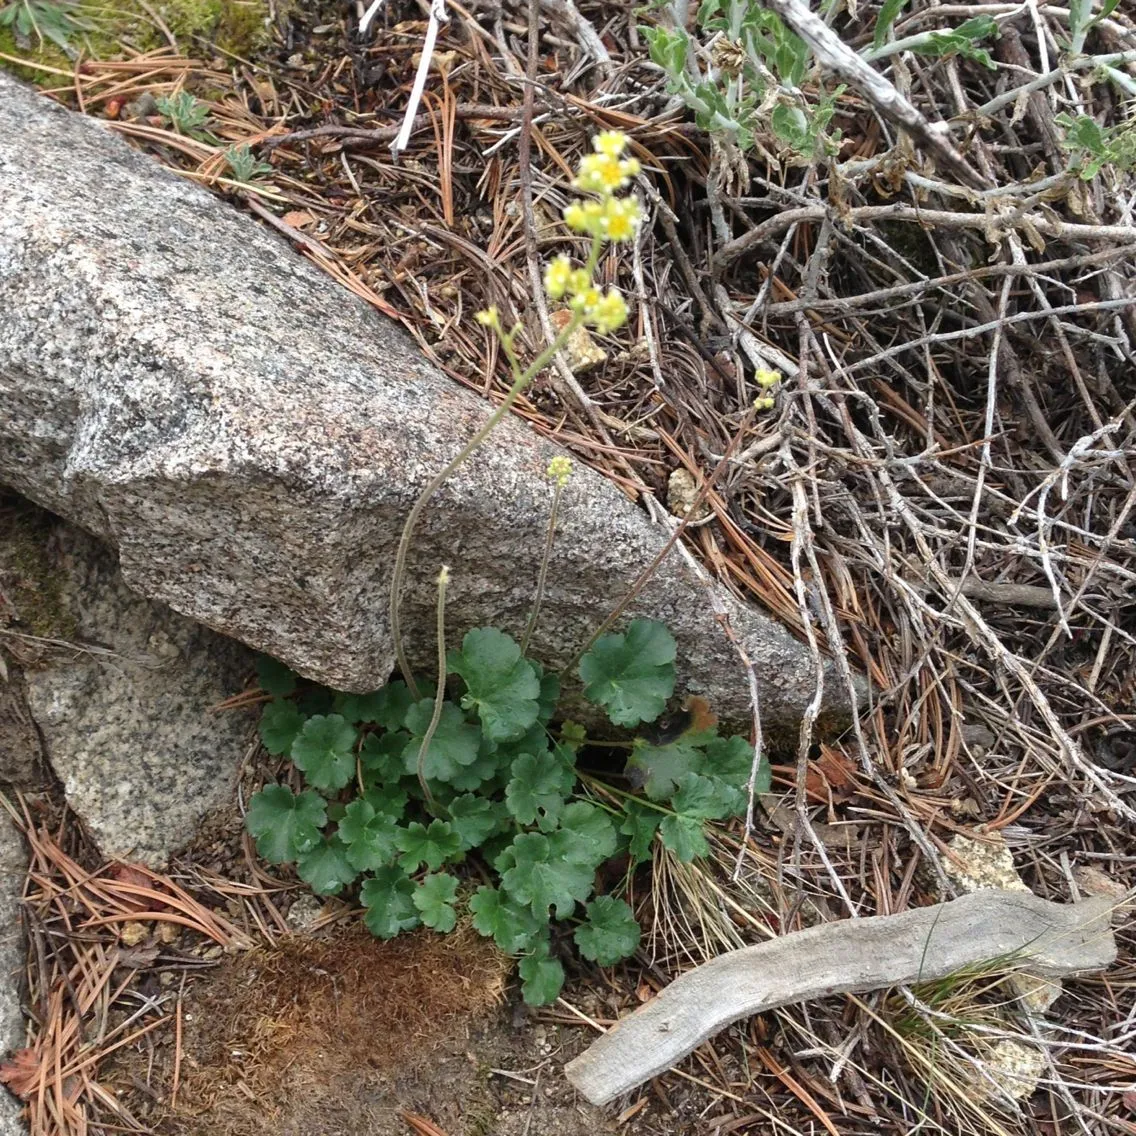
[(21, 1073), (138, 958)]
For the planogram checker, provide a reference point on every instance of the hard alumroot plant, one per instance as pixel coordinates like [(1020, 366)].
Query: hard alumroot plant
[(406, 788), (497, 793)]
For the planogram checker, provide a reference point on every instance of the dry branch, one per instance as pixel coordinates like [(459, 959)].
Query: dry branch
[(842, 61), (851, 956)]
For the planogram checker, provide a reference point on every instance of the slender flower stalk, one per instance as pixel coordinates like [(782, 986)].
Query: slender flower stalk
[(440, 695), (520, 382), (559, 470)]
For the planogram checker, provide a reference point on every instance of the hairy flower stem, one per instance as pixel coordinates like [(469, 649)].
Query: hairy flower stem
[(542, 576), (440, 695), (520, 381)]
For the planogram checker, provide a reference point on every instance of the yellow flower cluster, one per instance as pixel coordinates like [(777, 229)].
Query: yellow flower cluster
[(766, 380), (559, 470), (604, 172), (605, 311), (610, 218)]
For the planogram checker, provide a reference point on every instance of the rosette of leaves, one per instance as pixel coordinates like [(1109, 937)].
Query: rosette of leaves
[(503, 785), (41, 20)]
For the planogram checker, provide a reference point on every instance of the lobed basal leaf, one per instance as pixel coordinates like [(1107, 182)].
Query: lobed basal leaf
[(512, 927), (454, 746), (542, 978), (388, 897), (431, 844), (280, 724), (324, 750), (535, 793), (631, 675), (274, 677), (369, 835), (326, 868), (503, 687), (610, 933), (285, 825), (434, 898), (534, 871)]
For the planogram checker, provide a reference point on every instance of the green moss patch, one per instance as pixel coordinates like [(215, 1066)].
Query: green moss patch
[(32, 581), (102, 31)]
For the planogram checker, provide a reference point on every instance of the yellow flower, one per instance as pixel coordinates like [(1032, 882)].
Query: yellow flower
[(765, 403), (586, 217), (610, 142), (558, 277), (585, 300), (490, 317), (579, 281), (608, 312), (600, 174), (621, 218), (575, 217), (559, 470), (766, 379)]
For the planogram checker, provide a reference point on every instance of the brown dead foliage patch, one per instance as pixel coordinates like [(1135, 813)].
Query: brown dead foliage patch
[(306, 1036)]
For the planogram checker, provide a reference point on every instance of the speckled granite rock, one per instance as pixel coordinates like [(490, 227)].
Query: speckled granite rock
[(250, 437), (13, 865), (127, 724)]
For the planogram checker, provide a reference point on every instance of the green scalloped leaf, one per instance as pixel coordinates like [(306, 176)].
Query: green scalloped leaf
[(286, 826), (381, 758), (274, 677), (503, 687), (324, 750), (369, 835), (280, 724), (512, 926), (640, 825), (610, 933), (325, 869), (703, 798), (388, 897), (431, 844), (535, 793), (536, 873), (586, 835), (455, 745), (542, 978), (434, 898), (356, 708), (684, 837), (631, 675), (475, 819)]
